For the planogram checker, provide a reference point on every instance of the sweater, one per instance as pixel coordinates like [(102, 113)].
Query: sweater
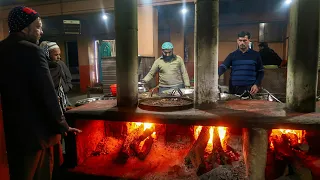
[(171, 73), (246, 68)]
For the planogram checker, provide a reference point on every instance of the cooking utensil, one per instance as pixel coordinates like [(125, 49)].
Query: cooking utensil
[(166, 104), (141, 87), (271, 95), (179, 91)]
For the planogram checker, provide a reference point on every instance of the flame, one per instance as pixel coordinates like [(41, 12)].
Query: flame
[(271, 145), (153, 135), (211, 135), (278, 132), (222, 131), (197, 130), (209, 146), (146, 126)]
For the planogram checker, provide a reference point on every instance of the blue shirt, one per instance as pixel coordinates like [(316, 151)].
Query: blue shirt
[(246, 68)]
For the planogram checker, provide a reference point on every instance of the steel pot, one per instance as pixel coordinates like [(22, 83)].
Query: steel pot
[(141, 87)]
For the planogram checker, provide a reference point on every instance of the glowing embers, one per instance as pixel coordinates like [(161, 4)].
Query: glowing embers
[(292, 137), (138, 142), (221, 131), (288, 155), (210, 150)]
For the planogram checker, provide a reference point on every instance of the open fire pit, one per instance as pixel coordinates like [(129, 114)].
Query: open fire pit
[(151, 151), (192, 144)]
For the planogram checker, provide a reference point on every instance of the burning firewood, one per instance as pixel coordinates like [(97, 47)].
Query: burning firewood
[(219, 155), (282, 146), (145, 148), (135, 145), (293, 139), (216, 142), (195, 156), (296, 159), (125, 150)]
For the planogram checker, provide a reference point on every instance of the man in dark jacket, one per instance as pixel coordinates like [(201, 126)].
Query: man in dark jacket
[(268, 56), (33, 120), (246, 67)]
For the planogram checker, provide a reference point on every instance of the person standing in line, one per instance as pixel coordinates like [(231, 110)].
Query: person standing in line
[(33, 119)]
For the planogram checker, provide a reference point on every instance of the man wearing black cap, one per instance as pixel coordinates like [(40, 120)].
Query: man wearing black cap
[(33, 121)]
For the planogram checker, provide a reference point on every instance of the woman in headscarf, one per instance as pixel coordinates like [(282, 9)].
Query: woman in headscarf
[(57, 75)]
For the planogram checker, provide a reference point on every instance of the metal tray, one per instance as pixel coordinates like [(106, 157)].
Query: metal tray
[(143, 104)]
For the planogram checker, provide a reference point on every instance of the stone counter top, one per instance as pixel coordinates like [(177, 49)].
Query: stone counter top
[(235, 113)]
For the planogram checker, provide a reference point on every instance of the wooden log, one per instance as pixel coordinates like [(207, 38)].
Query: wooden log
[(297, 159), (145, 148), (293, 139), (195, 157), (135, 145), (214, 158), (216, 142), (220, 156), (125, 150), (282, 146)]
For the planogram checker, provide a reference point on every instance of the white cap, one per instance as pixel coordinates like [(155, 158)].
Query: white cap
[(52, 45)]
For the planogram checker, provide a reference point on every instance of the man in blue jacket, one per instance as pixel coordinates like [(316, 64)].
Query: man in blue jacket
[(246, 67)]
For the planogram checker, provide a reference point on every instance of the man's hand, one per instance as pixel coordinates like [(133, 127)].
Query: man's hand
[(75, 131), (254, 90)]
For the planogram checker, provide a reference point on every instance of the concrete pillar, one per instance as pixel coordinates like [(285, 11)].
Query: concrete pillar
[(206, 53), (255, 146), (303, 56), (86, 62), (126, 25), (147, 31)]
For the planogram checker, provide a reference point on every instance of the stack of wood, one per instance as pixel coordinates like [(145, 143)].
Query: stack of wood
[(138, 143), (196, 158), (296, 163)]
